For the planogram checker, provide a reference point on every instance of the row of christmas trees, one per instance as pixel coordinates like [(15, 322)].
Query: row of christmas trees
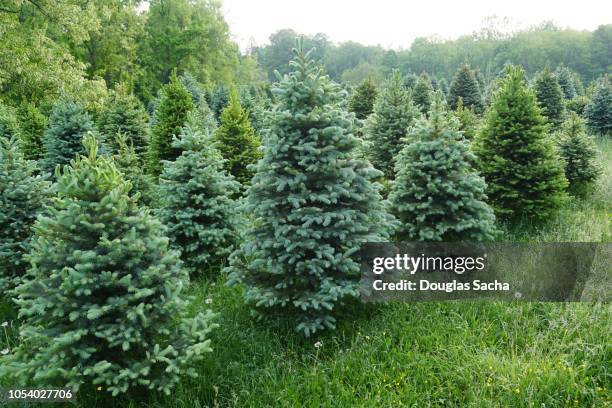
[(99, 283)]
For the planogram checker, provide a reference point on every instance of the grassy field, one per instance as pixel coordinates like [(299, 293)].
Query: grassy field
[(464, 354)]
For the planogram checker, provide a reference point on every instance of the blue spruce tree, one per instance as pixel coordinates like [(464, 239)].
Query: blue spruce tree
[(313, 203)]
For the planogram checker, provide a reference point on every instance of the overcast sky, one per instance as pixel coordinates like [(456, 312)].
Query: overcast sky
[(395, 23)]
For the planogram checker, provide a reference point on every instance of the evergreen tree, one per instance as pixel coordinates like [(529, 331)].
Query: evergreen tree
[(219, 99), (422, 93), (598, 113), (362, 100), (196, 205), (102, 304), (255, 104), (393, 113), (578, 152), (565, 78), (32, 128), (313, 205), (237, 141), (468, 121), (410, 80), (577, 105), (68, 124), (125, 114), (130, 165), (170, 115), (9, 127), (524, 175), (465, 85), (436, 195), (550, 97), (443, 86), (22, 196)]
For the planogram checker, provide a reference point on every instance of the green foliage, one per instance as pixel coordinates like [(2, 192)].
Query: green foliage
[(422, 93), (188, 36), (219, 99), (436, 195), (313, 205), (393, 113), (579, 153), (598, 113), (578, 104), (130, 164), (410, 80), (195, 203), (68, 124), (465, 85), (125, 114), (170, 114), (550, 97), (102, 303), (565, 77), (362, 100), (22, 195), (9, 127), (524, 175), (237, 141), (32, 126), (468, 120)]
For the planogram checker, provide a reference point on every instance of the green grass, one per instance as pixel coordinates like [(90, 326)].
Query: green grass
[(480, 354)]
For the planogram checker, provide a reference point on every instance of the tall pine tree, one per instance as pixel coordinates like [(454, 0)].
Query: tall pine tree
[(550, 97), (468, 121), (393, 113), (170, 116), (524, 174), (32, 127), (23, 194), (598, 113), (63, 139), (436, 194), (362, 100), (422, 93), (196, 204), (125, 114), (578, 152), (313, 205), (465, 85), (101, 305), (565, 77), (237, 141)]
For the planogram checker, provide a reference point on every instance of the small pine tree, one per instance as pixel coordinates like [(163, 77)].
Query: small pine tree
[(422, 93), (410, 80), (565, 78), (578, 152), (219, 99), (443, 86), (125, 114), (468, 120), (598, 113), (32, 127), (9, 126), (102, 303), (130, 165), (524, 175), (68, 124), (22, 196), (195, 203), (577, 105), (393, 113), (313, 205), (362, 100), (170, 116), (436, 195), (465, 85), (550, 97), (237, 141)]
